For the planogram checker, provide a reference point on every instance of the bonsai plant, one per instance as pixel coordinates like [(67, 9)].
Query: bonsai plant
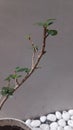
[(18, 80)]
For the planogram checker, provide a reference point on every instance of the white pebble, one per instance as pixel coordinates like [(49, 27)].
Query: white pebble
[(67, 128), (66, 116), (53, 129), (35, 129), (44, 127), (54, 125), (28, 121), (71, 117), (51, 117), (62, 122), (35, 123), (43, 118), (71, 112), (60, 128), (70, 123), (58, 115)]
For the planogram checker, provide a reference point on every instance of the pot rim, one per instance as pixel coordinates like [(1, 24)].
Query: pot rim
[(15, 119), (10, 118)]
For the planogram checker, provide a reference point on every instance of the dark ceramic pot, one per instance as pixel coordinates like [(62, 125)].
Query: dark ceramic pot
[(12, 124)]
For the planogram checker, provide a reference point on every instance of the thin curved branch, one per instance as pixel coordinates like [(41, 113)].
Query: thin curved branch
[(42, 52)]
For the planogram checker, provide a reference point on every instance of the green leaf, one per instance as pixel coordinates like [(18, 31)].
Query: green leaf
[(46, 23), (18, 69), (7, 91), (50, 23), (8, 78), (13, 76), (49, 20), (27, 70), (52, 32)]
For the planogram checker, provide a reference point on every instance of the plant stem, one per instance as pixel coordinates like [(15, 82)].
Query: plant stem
[(33, 68)]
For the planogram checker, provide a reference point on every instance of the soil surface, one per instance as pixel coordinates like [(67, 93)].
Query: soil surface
[(10, 128)]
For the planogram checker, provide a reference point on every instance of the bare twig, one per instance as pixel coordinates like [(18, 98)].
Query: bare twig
[(16, 80), (33, 58), (3, 100), (34, 52)]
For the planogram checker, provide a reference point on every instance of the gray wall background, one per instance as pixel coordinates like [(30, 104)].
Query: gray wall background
[(51, 87)]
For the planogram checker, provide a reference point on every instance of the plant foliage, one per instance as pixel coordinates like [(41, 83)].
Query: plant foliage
[(7, 91), (52, 32), (47, 23), (12, 76), (19, 69)]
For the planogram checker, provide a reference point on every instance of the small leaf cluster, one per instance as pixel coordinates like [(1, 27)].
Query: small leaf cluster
[(16, 75), (19, 69), (46, 24), (12, 76), (52, 32), (7, 91)]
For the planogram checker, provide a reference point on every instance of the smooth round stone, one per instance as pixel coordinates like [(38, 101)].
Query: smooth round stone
[(51, 117), (44, 127), (71, 117), (70, 123), (35, 123), (67, 128), (53, 129), (62, 122), (60, 128), (58, 115), (54, 125), (28, 121), (66, 116), (35, 129), (43, 119), (70, 112)]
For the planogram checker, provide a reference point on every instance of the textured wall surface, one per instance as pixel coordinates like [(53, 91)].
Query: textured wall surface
[(51, 87)]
